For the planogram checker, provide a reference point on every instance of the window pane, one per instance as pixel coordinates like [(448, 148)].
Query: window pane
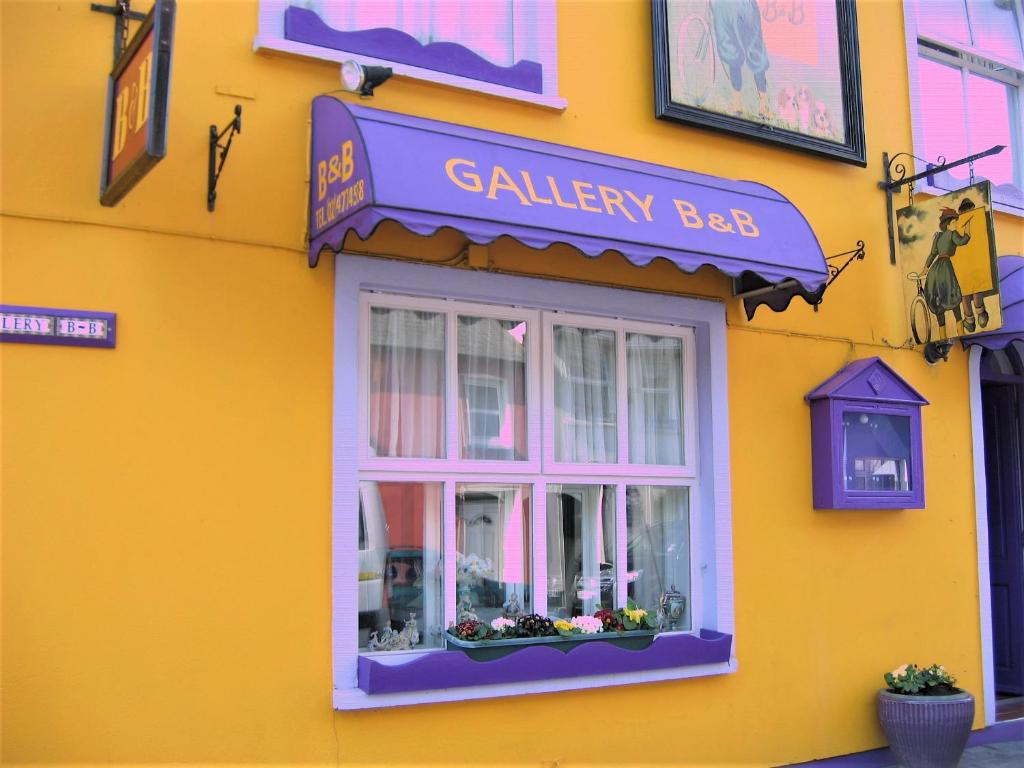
[(654, 369), (989, 119), (400, 598), (406, 383), (494, 546), (994, 26), (942, 106), (943, 20), (492, 388), (876, 452), (658, 550), (585, 405), (581, 549)]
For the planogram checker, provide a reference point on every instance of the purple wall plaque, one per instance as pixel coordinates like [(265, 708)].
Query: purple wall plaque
[(866, 442), (369, 166), (69, 327)]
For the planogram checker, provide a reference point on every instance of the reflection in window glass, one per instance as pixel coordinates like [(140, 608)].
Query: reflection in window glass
[(943, 20), (400, 598), (493, 551), (989, 122), (654, 370), (581, 549), (492, 388), (658, 550), (406, 383), (995, 29), (942, 108), (585, 405), (876, 452)]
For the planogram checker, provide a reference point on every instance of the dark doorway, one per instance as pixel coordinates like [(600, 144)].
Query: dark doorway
[(1002, 399)]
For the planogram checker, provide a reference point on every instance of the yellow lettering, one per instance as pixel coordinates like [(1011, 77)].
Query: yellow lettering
[(469, 181), (321, 179), (645, 204), (688, 214), (745, 223), (501, 180), (558, 197), (528, 183), (120, 122), (612, 197), (583, 197), (716, 221), (347, 163), (142, 102)]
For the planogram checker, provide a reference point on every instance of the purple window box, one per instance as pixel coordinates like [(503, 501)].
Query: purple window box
[(541, 661), (866, 440)]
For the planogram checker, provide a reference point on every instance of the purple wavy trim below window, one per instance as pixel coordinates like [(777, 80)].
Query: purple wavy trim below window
[(454, 669), (304, 26)]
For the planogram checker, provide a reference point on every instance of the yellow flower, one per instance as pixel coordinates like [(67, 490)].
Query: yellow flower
[(563, 625), (636, 615)]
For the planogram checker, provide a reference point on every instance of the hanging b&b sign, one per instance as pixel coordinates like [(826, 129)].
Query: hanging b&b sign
[(138, 91)]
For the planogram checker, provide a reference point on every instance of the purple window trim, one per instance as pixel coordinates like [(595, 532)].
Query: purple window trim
[(304, 26), (454, 669), (864, 386), (65, 341)]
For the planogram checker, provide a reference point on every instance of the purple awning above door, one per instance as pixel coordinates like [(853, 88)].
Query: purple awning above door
[(1011, 295), (370, 166)]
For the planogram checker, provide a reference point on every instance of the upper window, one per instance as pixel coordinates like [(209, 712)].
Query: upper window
[(525, 455), (503, 47), (967, 72)]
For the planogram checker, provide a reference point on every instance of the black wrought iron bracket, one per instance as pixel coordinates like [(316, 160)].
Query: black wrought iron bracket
[(215, 167), (896, 178), (121, 12), (857, 254)]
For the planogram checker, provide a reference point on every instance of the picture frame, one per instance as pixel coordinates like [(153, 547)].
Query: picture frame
[(796, 64)]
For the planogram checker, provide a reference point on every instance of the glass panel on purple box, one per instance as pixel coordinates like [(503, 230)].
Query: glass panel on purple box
[(876, 452)]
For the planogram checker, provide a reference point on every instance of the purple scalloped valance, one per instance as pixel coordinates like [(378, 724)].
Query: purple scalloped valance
[(1011, 294), (453, 669), (370, 166)]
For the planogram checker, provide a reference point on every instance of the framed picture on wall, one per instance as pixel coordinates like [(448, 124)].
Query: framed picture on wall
[(781, 71)]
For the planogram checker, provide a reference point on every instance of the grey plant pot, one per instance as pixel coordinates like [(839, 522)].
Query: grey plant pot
[(926, 731)]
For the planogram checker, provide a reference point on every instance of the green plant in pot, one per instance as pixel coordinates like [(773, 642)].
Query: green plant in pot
[(926, 718)]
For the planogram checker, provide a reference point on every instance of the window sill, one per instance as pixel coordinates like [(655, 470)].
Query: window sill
[(452, 675), (682, 667)]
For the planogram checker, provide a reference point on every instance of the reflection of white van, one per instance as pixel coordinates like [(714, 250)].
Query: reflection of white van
[(373, 552)]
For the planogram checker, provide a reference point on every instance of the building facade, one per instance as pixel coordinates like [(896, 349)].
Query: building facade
[(518, 379)]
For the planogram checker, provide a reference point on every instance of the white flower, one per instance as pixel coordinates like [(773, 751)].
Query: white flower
[(588, 625)]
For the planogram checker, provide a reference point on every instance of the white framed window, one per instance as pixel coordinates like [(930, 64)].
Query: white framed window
[(966, 61), (504, 440), (505, 48)]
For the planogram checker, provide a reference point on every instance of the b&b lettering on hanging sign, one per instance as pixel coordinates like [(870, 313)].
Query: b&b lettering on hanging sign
[(69, 327), (138, 91)]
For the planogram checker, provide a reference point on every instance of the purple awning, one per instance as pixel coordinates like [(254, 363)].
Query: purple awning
[(1011, 294), (370, 166)]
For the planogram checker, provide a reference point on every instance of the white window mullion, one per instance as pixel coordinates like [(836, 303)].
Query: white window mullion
[(534, 398), (451, 399), (691, 459), (448, 558), (540, 547), (621, 546), (621, 395)]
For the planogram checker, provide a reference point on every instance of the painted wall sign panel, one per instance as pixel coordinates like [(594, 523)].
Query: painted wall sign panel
[(487, 184), (138, 91), (71, 327), (1011, 296)]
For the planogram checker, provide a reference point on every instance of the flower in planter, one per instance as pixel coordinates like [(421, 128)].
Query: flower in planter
[(502, 624), (609, 620), (534, 625), (565, 628), (588, 625), (910, 680), (471, 630)]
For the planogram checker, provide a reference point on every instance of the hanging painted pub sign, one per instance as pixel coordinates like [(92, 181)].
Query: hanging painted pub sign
[(138, 91), (948, 265)]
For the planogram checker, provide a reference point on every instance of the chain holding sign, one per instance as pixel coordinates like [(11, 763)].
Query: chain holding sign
[(138, 92)]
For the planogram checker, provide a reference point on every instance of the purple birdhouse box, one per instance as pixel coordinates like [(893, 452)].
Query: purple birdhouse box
[(866, 440)]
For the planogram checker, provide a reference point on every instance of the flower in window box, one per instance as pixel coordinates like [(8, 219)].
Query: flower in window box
[(502, 624), (588, 625), (534, 625), (565, 628)]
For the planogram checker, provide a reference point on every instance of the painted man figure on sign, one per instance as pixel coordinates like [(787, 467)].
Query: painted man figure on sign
[(740, 41), (941, 287)]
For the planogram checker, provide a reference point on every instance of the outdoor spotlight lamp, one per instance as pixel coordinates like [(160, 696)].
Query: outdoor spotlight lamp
[(362, 80)]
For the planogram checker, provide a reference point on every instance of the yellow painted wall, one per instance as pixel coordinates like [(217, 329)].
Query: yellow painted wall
[(166, 505)]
